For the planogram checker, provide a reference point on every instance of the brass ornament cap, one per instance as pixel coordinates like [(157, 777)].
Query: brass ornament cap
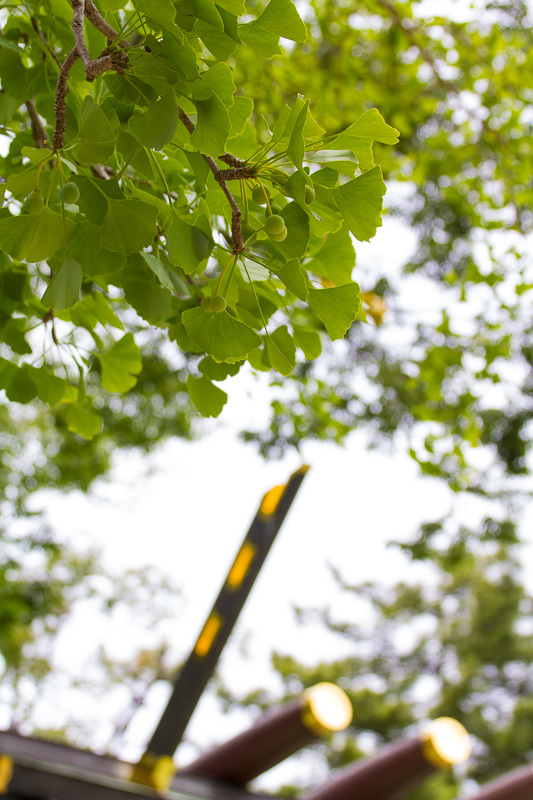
[(326, 709), (445, 742)]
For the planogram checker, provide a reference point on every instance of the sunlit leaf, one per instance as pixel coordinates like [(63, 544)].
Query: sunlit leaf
[(84, 421), (336, 307), (120, 365), (207, 398), (31, 237), (360, 202), (128, 226), (220, 335), (64, 288)]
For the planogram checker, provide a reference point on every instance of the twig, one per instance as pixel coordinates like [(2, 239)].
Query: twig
[(238, 243), (106, 61), (234, 174), (96, 19), (38, 130), (231, 161), (61, 91), (44, 41), (78, 9)]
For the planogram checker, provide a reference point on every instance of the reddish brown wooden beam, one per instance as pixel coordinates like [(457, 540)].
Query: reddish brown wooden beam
[(515, 785), (322, 709), (400, 767)]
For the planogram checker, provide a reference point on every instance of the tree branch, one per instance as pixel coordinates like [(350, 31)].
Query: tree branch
[(78, 10), (44, 41), (59, 105), (238, 243), (96, 19), (38, 130)]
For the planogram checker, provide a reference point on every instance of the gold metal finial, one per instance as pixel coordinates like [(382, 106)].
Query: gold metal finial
[(446, 742), (326, 709)]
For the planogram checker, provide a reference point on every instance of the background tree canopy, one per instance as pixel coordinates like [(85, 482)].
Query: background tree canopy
[(140, 270)]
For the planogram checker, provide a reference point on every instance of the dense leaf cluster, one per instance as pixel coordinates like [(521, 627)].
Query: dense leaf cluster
[(118, 200)]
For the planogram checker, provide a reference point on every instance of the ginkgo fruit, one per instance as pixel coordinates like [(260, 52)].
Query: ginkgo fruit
[(259, 195), (218, 304), (34, 202), (279, 237), (309, 194), (69, 193), (206, 304), (274, 224)]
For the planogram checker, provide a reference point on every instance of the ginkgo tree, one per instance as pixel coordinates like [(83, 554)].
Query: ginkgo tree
[(141, 190)]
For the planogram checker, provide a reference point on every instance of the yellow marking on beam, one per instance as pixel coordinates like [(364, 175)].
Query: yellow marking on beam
[(154, 771), (208, 634), (6, 772), (241, 565)]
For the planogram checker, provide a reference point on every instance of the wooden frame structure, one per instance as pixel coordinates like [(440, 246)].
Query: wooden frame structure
[(33, 769)]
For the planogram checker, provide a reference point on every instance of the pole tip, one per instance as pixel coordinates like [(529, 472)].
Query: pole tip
[(326, 709), (446, 742)]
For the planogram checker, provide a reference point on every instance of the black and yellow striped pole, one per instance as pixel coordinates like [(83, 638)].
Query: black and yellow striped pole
[(400, 767), (155, 766)]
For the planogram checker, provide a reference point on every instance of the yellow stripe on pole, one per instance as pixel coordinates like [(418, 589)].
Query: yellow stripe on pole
[(208, 634), (241, 565), (270, 501)]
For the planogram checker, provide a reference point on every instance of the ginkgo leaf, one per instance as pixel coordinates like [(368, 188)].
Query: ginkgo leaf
[(281, 350), (30, 237), (220, 335), (187, 245), (207, 398), (293, 277), (156, 126), (95, 260), (213, 126), (360, 202), (129, 225), (370, 126), (120, 365), (309, 342), (64, 289), (336, 307), (281, 17), (296, 147), (83, 420)]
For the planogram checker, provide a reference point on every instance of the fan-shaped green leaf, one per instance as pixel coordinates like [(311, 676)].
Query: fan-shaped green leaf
[(156, 126), (84, 421), (129, 225), (280, 17), (64, 288), (30, 237), (207, 398), (213, 126), (220, 335), (360, 202), (281, 350), (336, 307), (120, 365)]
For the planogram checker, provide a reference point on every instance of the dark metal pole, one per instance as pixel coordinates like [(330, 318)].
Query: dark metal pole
[(515, 785), (322, 709), (400, 767), (202, 661)]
